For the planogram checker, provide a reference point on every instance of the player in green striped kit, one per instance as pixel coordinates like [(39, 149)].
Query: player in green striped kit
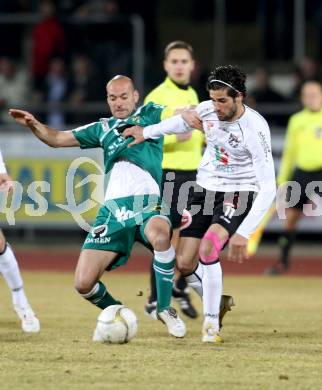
[(131, 211)]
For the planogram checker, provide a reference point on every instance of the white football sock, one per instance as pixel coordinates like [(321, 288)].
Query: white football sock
[(195, 280), (10, 271), (212, 289)]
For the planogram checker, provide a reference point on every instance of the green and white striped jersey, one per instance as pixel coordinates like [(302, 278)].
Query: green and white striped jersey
[(107, 134)]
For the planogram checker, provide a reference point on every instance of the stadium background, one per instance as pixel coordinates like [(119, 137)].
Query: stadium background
[(273, 335)]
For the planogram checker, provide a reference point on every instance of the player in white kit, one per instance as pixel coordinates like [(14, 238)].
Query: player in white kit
[(236, 181), (10, 270)]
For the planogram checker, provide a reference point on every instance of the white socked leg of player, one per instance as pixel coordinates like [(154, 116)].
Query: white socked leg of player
[(194, 280), (11, 273), (214, 304), (212, 290)]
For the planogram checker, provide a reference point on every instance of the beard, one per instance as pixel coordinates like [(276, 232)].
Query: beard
[(230, 114)]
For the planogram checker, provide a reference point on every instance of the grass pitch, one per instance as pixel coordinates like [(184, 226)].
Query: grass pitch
[(273, 340)]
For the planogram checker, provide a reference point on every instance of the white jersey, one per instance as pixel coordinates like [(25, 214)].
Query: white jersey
[(238, 157), (233, 149)]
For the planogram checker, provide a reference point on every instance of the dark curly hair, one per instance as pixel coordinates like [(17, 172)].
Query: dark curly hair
[(228, 74)]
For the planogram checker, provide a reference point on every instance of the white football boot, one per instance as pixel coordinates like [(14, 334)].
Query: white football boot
[(29, 321), (176, 327), (210, 333)]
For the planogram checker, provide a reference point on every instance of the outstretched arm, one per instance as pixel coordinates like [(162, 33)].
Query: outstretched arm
[(49, 136), (175, 125)]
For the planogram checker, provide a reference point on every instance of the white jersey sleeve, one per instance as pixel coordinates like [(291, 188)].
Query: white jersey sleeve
[(2, 165), (258, 144), (173, 125), (176, 124), (205, 108)]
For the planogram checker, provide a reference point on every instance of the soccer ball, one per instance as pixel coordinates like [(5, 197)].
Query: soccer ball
[(116, 324)]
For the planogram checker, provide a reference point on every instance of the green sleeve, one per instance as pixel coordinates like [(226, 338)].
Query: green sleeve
[(289, 154), (89, 135), (153, 113)]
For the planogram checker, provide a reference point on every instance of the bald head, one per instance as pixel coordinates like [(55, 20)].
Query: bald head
[(120, 79), (311, 95), (122, 96)]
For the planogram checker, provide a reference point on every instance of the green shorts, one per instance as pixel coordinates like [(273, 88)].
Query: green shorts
[(121, 222)]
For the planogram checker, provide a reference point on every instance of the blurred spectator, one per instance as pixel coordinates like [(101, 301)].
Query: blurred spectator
[(262, 91), (98, 7), (67, 7), (13, 87), (83, 86), (48, 41), (307, 69), (101, 37), (55, 91), (301, 163)]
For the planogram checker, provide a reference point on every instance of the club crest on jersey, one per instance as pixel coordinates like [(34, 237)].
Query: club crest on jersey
[(233, 140), (99, 231), (135, 119), (158, 207)]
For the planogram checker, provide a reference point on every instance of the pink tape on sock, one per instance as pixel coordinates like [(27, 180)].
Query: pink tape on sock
[(217, 246)]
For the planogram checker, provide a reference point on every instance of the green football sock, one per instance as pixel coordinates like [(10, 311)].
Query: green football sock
[(164, 274), (100, 297)]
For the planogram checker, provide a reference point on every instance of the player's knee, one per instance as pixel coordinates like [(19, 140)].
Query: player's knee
[(210, 246), (158, 234), (83, 285), (185, 269), (185, 266), (160, 240), (206, 247)]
